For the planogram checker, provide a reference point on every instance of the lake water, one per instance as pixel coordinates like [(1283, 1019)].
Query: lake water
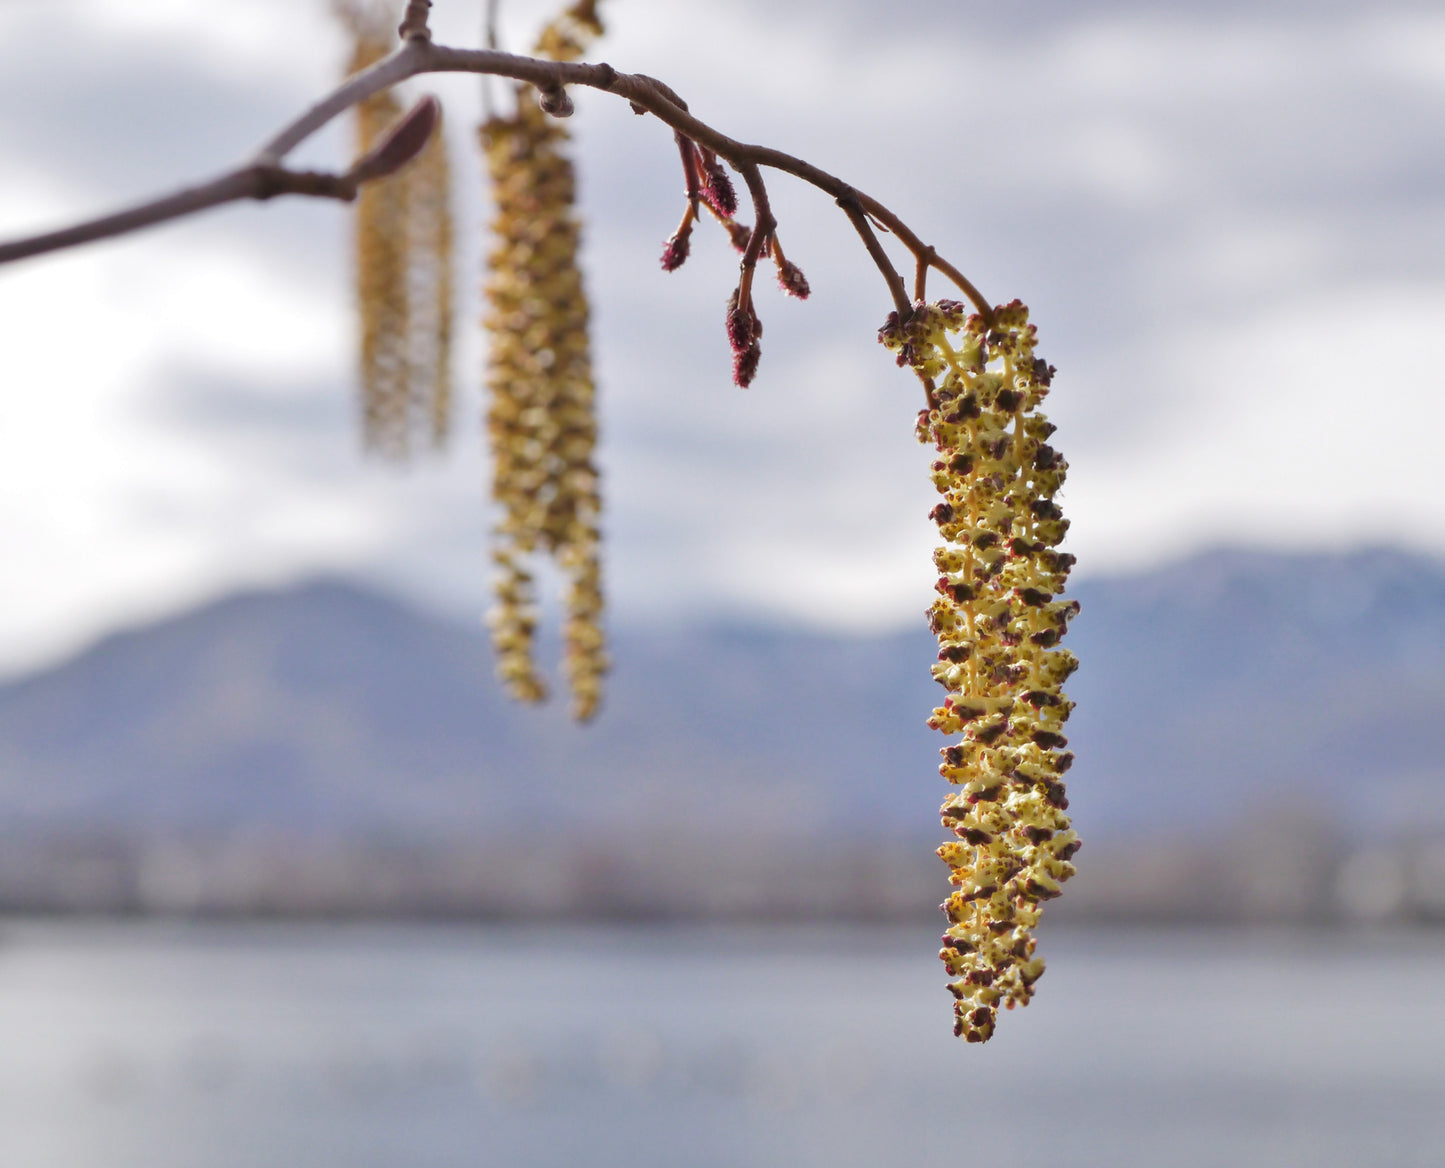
[(241, 1046)]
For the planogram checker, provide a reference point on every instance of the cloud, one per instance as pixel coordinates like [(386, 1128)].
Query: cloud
[(1227, 221)]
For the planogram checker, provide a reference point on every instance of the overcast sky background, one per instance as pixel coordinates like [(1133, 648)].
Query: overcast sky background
[(1226, 217)]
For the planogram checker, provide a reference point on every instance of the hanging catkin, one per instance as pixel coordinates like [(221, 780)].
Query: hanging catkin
[(403, 266), (541, 418), (429, 290), (998, 619)]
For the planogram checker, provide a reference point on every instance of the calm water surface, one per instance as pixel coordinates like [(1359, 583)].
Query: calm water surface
[(242, 1046)]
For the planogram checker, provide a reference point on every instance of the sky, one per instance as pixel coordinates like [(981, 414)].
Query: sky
[(1228, 220)]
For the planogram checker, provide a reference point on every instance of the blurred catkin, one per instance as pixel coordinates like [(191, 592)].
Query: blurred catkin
[(403, 266), (998, 619), (541, 419)]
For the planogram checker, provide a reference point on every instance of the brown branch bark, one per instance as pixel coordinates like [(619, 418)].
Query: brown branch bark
[(264, 176), (256, 181), (852, 207)]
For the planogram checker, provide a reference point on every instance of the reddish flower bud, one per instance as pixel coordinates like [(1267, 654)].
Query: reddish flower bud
[(401, 143), (745, 365), (717, 188), (742, 324), (675, 254), (792, 280)]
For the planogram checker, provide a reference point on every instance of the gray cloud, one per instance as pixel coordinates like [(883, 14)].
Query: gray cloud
[(1139, 172)]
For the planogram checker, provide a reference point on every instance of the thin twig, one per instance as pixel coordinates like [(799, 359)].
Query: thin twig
[(688, 154), (920, 274), (851, 208), (407, 61), (419, 56), (251, 182), (764, 223), (489, 38)]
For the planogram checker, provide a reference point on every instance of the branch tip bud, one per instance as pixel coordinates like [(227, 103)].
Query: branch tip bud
[(400, 144), (556, 101), (414, 25), (745, 365), (743, 325), (675, 254), (792, 281), (717, 187)]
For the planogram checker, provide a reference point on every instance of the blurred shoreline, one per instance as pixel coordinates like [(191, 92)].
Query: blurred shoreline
[(1256, 735), (1265, 873)]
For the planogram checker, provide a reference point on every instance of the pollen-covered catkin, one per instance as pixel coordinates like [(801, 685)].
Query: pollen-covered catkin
[(541, 419), (403, 266), (998, 619), (429, 290), (380, 260), (570, 33)]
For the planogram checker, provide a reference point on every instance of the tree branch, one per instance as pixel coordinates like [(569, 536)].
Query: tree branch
[(264, 176), (851, 205), (256, 181)]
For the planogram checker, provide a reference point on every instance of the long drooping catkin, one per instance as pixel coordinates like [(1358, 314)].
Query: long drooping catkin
[(998, 620), (541, 419), (429, 290), (403, 267), (380, 261)]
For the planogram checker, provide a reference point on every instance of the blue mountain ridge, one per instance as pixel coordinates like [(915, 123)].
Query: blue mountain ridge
[(1210, 688)]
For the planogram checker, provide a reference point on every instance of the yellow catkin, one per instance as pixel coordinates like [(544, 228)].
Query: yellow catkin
[(380, 260), (998, 619), (429, 290), (403, 266), (541, 419), (570, 33)]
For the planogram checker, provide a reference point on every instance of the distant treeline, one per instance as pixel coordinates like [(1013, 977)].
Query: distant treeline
[(1270, 874)]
